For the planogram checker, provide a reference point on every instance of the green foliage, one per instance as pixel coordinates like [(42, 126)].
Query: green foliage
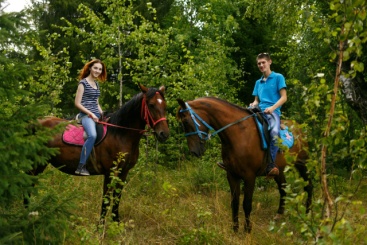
[(196, 48), (198, 236), (46, 218), (51, 74), (113, 229), (342, 147), (143, 52), (22, 141), (207, 176)]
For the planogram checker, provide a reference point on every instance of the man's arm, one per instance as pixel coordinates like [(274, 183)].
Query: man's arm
[(280, 102)]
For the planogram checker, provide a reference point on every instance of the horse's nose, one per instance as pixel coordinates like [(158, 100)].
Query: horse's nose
[(163, 136)]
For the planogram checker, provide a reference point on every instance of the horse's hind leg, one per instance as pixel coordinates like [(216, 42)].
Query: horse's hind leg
[(302, 169), (234, 184), (247, 201), (280, 180)]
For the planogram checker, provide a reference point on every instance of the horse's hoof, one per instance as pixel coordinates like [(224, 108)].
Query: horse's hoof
[(248, 228), (235, 228), (277, 217)]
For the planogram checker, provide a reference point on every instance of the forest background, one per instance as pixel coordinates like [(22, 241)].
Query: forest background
[(195, 48)]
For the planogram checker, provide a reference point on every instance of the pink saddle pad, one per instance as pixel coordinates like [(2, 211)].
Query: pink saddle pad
[(74, 135)]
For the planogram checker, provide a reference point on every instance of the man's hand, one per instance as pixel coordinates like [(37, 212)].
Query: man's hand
[(269, 110)]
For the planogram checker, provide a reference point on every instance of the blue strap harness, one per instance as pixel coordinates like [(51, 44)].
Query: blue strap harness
[(195, 117), (285, 134)]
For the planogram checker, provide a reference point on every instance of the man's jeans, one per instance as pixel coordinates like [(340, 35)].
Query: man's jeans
[(90, 128), (274, 125)]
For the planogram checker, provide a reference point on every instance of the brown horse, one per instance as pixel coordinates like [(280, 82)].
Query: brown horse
[(125, 129), (242, 154)]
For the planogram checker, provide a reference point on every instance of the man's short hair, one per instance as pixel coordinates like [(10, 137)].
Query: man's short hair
[(263, 56)]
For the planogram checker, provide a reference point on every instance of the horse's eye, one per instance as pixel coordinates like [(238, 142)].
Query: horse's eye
[(185, 124), (182, 126)]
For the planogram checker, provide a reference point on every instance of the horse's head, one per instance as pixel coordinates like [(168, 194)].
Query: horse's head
[(195, 134), (154, 111)]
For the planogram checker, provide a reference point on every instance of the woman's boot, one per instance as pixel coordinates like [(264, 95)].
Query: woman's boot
[(82, 170)]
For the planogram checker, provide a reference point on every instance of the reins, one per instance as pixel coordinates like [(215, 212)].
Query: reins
[(195, 116), (145, 114), (117, 126)]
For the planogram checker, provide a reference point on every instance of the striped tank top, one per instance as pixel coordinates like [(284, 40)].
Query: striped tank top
[(90, 97)]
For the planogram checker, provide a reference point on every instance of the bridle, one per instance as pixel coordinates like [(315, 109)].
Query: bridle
[(203, 135), (194, 118), (146, 115)]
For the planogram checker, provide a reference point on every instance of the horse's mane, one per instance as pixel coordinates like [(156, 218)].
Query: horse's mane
[(131, 109), (228, 103)]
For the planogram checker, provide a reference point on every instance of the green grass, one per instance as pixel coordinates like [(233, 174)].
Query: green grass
[(165, 206)]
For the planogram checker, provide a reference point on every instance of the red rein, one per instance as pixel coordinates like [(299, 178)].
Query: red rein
[(145, 113)]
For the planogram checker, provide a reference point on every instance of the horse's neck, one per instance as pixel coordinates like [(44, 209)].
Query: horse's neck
[(129, 119), (221, 117)]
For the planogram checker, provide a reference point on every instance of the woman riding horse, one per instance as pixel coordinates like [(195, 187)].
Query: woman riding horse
[(125, 129)]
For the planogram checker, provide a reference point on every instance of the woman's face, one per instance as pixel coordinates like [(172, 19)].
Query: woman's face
[(96, 70)]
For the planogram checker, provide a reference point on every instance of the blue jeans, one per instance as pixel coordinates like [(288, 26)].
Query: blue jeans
[(274, 125), (90, 128)]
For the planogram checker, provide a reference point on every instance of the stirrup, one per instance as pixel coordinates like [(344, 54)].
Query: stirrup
[(272, 173)]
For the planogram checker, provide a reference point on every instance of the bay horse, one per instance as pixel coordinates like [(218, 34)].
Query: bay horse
[(124, 131), (242, 154)]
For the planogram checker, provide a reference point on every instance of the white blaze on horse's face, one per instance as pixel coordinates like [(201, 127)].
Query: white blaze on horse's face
[(160, 101)]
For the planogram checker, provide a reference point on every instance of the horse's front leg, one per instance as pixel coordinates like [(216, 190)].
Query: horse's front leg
[(111, 197), (105, 196), (234, 184), (247, 201), (117, 192), (280, 180), (108, 200)]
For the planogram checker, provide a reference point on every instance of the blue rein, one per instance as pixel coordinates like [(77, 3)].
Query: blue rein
[(200, 133)]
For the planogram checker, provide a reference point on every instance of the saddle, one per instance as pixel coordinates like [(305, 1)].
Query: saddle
[(75, 134), (262, 124), (264, 132)]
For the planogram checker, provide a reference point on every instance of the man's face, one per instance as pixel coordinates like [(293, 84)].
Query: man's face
[(263, 64)]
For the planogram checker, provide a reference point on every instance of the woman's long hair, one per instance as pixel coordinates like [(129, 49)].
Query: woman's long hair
[(86, 70)]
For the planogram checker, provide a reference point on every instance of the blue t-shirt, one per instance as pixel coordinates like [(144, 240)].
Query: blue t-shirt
[(268, 91)]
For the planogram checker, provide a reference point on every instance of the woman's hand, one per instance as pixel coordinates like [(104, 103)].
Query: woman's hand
[(93, 117)]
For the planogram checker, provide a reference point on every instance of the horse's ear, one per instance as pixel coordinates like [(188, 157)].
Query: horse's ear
[(181, 103), (162, 89), (143, 88)]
